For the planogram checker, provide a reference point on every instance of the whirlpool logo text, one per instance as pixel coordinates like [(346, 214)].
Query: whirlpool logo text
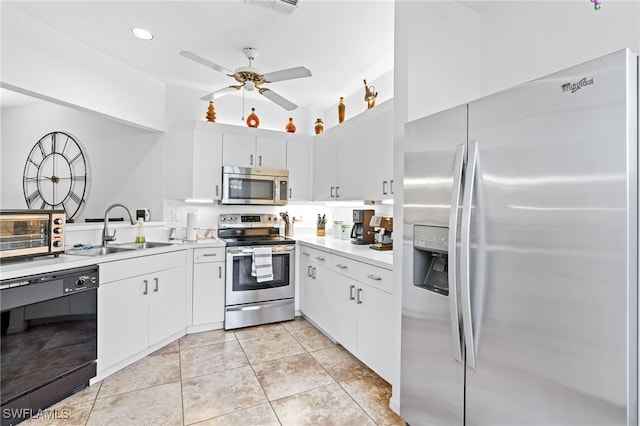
[(574, 87)]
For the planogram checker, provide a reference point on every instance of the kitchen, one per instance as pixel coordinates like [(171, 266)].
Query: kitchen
[(430, 86)]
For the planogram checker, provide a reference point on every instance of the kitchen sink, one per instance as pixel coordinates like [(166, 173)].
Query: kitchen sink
[(145, 245), (117, 248), (99, 250)]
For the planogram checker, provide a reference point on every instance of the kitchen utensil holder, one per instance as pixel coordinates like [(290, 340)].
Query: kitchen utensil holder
[(320, 231)]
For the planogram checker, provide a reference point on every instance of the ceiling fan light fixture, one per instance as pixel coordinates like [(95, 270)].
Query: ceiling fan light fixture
[(141, 33), (249, 86)]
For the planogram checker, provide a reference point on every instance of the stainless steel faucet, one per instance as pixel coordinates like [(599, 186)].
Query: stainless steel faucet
[(106, 237)]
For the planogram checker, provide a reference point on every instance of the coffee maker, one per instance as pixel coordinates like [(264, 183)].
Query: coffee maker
[(362, 232), (384, 227)]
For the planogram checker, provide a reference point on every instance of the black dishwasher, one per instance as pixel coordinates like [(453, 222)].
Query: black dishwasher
[(49, 339)]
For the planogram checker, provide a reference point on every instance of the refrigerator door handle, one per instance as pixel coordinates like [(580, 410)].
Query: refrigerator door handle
[(465, 245), (453, 238)]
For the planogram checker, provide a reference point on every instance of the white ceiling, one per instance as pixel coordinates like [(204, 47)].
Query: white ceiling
[(341, 42)]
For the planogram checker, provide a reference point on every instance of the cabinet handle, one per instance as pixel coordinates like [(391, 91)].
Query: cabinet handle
[(146, 286), (290, 196), (306, 253), (251, 160), (384, 187), (391, 186), (314, 273), (341, 266), (259, 160), (217, 191), (156, 280), (219, 271), (309, 271), (209, 254), (332, 196), (337, 195), (320, 258), (359, 301), (351, 288), (373, 277)]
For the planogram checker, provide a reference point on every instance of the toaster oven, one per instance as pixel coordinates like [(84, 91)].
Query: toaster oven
[(29, 233)]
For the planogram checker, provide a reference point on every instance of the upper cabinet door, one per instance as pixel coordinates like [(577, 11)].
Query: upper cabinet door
[(270, 153), (193, 164), (299, 164), (238, 150), (376, 137), (324, 168)]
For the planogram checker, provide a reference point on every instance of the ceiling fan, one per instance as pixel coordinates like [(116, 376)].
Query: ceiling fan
[(251, 78)]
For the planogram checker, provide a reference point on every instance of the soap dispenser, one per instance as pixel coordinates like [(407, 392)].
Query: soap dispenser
[(140, 232)]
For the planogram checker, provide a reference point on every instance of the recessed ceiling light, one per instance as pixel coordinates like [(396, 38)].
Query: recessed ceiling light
[(141, 33)]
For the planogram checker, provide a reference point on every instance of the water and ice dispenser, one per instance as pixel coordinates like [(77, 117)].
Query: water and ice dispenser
[(431, 258)]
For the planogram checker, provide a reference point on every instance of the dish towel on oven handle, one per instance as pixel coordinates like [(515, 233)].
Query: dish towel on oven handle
[(261, 266)]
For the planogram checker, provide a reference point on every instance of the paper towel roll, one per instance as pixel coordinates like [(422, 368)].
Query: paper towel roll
[(192, 226)]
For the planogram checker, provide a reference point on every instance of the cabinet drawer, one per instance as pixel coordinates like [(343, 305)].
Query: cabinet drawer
[(316, 256), (345, 266), (212, 254), (376, 277)]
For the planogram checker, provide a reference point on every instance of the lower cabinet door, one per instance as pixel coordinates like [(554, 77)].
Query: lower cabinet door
[(343, 309), (123, 320), (208, 292), (375, 329), (167, 303)]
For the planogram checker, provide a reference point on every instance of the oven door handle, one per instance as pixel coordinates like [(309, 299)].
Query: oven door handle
[(249, 251), (258, 307)]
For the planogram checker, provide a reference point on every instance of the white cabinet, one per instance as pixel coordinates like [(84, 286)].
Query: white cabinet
[(376, 139), (299, 164), (324, 168), (141, 302), (208, 285), (352, 302), (193, 162), (354, 160), (245, 150)]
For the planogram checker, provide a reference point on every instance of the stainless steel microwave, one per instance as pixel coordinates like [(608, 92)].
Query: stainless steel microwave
[(29, 233), (244, 185)]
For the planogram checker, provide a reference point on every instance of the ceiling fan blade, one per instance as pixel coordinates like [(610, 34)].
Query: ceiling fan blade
[(288, 74), (205, 62), (219, 93), (284, 103)]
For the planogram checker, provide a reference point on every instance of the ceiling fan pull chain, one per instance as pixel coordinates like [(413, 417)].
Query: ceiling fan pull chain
[(242, 105)]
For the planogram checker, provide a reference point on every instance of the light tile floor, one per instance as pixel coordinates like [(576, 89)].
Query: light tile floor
[(277, 374)]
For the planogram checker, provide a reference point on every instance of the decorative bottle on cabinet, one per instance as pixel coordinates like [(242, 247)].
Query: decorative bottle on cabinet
[(252, 119), (211, 112), (319, 127), (290, 127), (341, 108)]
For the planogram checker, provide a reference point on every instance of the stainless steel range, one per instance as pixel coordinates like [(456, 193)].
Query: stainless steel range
[(260, 270)]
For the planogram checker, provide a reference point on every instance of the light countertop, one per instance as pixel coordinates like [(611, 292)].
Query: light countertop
[(361, 253), (46, 264)]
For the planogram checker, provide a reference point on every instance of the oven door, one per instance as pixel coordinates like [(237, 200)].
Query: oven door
[(242, 287)]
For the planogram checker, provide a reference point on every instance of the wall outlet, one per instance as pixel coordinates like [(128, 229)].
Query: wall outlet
[(174, 215)]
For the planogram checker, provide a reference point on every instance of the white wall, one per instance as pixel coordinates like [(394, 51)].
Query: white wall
[(43, 62), (526, 40), (124, 163)]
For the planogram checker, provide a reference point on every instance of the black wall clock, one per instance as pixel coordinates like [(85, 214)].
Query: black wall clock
[(55, 174)]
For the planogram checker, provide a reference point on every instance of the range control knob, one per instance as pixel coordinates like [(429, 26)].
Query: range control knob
[(57, 243), (57, 221), (80, 282), (57, 230)]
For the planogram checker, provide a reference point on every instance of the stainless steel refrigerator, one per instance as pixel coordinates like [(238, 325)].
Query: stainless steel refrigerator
[(520, 254)]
